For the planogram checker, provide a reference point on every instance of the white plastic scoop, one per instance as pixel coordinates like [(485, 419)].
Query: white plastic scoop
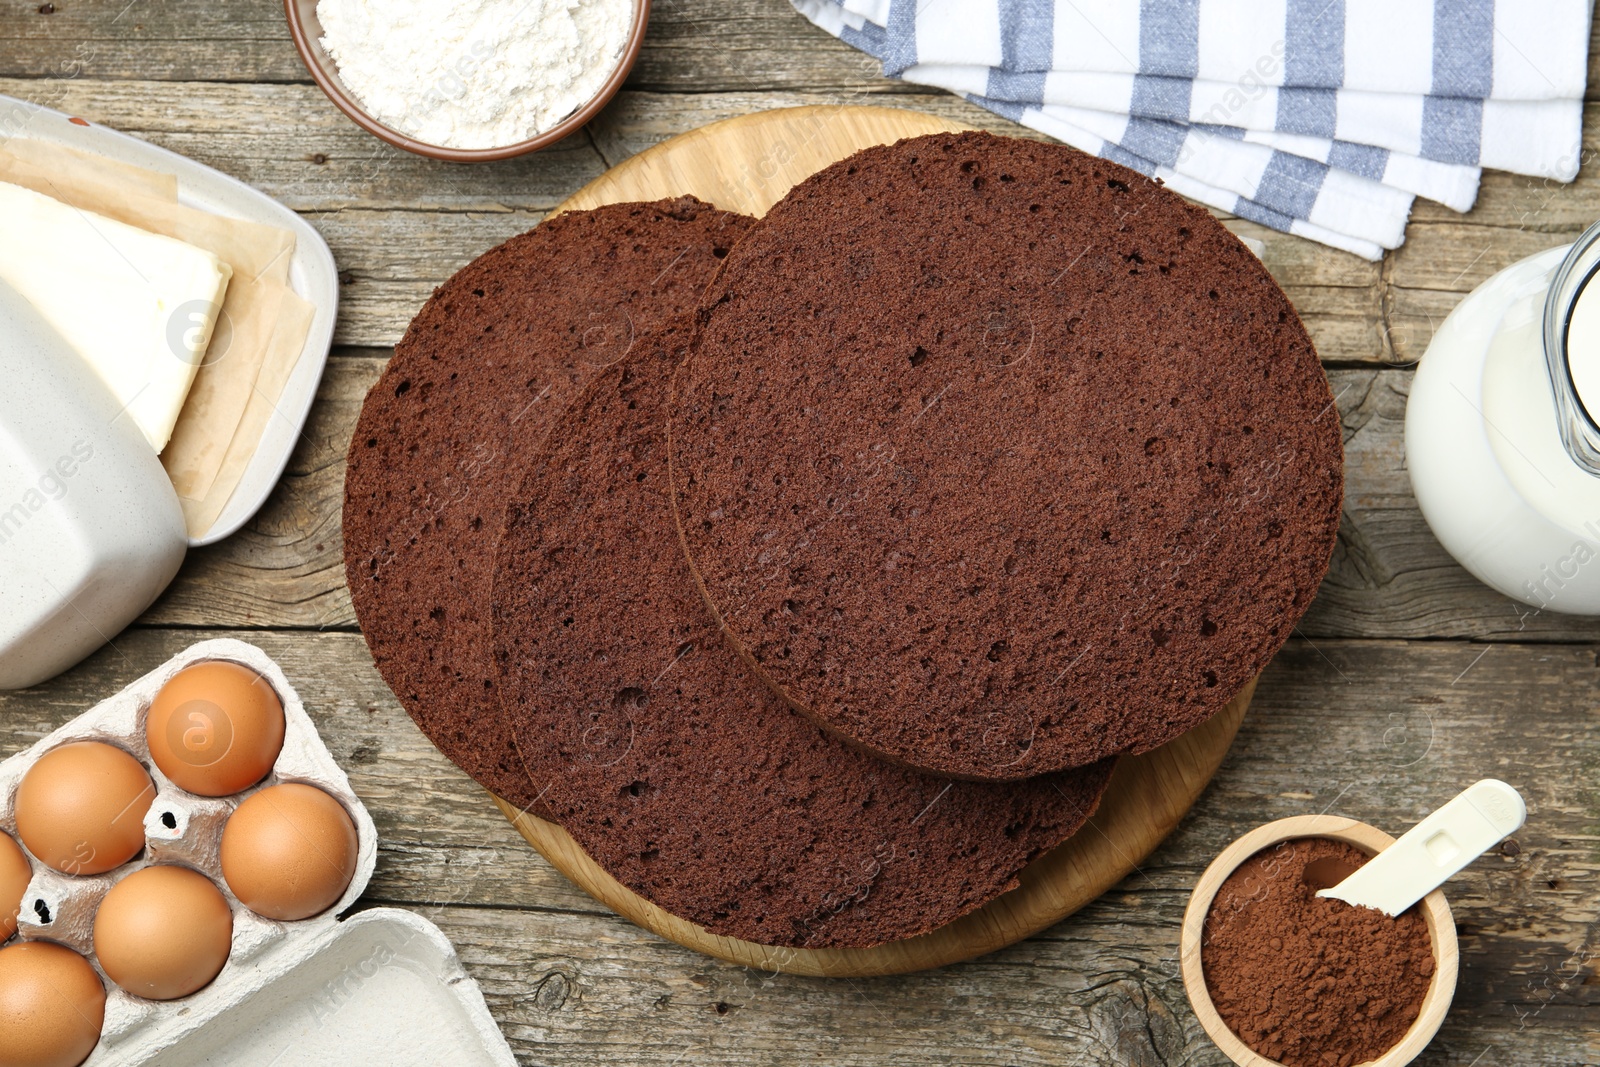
[(1435, 849)]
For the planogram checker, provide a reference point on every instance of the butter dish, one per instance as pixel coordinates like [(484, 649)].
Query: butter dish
[(91, 530), (311, 276)]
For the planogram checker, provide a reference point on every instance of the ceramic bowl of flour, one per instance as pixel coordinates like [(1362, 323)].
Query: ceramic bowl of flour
[(472, 80)]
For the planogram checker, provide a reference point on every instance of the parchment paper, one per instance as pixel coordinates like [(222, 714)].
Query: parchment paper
[(260, 331), (75, 165), (283, 353)]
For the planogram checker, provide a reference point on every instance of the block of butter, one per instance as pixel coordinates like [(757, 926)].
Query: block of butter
[(138, 306)]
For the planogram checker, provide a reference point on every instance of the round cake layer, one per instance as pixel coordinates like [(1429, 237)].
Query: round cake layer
[(678, 771), (999, 459), (481, 375)]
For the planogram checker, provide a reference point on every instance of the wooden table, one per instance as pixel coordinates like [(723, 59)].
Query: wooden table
[(1407, 680)]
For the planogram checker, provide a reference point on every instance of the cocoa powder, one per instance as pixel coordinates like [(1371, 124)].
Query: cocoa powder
[(1305, 980)]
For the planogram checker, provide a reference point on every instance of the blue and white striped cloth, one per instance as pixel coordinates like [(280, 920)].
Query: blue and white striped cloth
[(1322, 118)]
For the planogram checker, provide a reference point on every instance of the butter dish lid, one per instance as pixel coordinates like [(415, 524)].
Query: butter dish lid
[(91, 530), (313, 276)]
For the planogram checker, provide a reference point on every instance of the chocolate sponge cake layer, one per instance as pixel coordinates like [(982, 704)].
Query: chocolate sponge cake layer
[(480, 377), (999, 459), (678, 771)]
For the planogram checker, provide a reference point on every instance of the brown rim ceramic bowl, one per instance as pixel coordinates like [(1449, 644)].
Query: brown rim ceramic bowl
[(1369, 839), (307, 33)]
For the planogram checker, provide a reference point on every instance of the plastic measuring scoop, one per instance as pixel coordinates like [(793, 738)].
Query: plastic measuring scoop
[(1435, 849)]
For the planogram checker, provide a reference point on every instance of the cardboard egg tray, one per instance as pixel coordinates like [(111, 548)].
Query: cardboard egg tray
[(383, 986)]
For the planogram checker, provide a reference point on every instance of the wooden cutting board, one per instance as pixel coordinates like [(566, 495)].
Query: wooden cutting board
[(746, 164)]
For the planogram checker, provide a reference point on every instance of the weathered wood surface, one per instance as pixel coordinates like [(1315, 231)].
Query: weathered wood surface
[(1409, 680), (1379, 731), (693, 46), (1390, 578), (399, 225)]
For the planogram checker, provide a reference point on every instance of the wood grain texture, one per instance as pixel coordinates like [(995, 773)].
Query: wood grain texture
[(747, 162), (1374, 730), (758, 45), (399, 225), (1390, 578), (1345, 719)]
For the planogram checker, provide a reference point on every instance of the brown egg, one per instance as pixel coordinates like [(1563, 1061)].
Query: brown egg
[(15, 870), (289, 851), (215, 728), (163, 932), (51, 1006), (80, 809)]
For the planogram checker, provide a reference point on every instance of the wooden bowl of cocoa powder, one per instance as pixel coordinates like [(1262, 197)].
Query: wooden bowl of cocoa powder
[(1316, 981)]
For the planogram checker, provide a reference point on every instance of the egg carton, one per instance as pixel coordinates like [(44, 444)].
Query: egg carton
[(382, 986)]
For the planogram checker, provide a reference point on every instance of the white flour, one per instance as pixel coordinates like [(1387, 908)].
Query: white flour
[(474, 73)]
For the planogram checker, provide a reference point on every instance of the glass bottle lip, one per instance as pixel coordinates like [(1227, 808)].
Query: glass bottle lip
[(1579, 425)]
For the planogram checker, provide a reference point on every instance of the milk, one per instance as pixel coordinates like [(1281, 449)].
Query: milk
[(1519, 410), (1500, 446)]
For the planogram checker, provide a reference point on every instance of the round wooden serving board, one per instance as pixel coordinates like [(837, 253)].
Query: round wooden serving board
[(747, 164)]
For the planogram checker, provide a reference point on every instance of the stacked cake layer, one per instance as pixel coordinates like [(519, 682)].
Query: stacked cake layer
[(811, 572)]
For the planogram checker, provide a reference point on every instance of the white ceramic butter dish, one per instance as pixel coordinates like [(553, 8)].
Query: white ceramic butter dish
[(312, 275), (90, 528)]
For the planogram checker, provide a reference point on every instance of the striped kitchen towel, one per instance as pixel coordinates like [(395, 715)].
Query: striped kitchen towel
[(1450, 183), (1537, 137), (1318, 117)]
